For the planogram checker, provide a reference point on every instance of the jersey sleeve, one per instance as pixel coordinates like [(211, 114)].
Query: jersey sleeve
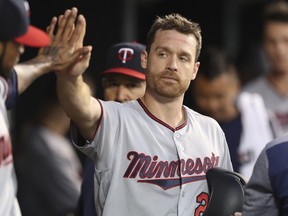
[(259, 198), (278, 174), (108, 123), (12, 90)]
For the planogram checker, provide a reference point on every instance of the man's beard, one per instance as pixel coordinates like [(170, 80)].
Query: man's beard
[(167, 89)]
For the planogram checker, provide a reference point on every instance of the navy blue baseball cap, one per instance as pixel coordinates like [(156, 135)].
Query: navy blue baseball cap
[(125, 58), (15, 25)]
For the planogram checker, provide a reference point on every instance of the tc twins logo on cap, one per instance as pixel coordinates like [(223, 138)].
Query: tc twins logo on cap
[(125, 58), (125, 54)]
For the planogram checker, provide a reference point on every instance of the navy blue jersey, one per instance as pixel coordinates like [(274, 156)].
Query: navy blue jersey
[(13, 90), (267, 190), (86, 204)]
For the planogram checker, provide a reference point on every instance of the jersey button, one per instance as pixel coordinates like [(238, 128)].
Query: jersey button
[(177, 135)]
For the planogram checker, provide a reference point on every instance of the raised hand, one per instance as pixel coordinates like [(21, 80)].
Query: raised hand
[(66, 53)]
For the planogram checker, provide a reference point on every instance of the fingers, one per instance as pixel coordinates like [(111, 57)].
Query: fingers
[(80, 57), (65, 29), (51, 27), (69, 21), (50, 31), (79, 33)]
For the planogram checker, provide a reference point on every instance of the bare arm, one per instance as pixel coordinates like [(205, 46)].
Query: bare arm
[(76, 98), (29, 71), (44, 62), (74, 94)]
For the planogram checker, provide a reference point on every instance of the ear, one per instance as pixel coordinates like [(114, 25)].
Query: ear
[(144, 56), (195, 70)]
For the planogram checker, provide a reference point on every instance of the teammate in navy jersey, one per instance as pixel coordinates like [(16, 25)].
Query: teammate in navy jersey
[(267, 191)]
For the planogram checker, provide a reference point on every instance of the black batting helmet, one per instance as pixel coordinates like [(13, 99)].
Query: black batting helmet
[(226, 192)]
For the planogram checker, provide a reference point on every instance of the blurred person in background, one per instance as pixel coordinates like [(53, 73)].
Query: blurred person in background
[(48, 169), (273, 86), (242, 116)]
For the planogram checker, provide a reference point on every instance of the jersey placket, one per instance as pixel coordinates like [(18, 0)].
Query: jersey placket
[(181, 153)]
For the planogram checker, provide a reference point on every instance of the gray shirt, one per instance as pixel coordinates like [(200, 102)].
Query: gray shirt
[(276, 104)]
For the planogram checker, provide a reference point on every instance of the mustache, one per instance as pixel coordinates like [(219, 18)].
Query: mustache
[(170, 75)]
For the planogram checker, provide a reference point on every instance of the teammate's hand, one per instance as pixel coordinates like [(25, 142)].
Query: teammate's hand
[(66, 52)]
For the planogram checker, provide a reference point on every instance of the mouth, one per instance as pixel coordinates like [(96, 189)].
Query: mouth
[(169, 78)]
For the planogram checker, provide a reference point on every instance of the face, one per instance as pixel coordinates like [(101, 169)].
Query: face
[(276, 45), (170, 64), (122, 88), (10, 53), (216, 98)]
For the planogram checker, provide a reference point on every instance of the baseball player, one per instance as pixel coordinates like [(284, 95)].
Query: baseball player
[(150, 154), (122, 80), (14, 34)]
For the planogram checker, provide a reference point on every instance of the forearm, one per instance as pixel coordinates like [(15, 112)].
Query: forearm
[(76, 98), (29, 71)]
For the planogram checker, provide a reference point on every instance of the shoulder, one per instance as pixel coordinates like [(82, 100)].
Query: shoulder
[(196, 115), (201, 120), (119, 106), (277, 149), (120, 110)]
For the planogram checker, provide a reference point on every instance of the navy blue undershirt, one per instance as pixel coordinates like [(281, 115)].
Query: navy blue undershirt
[(233, 131)]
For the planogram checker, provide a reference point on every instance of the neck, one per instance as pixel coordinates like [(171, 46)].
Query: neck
[(168, 110)]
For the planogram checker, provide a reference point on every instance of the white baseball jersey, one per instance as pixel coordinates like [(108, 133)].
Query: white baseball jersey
[(145, 167), (8, 185)]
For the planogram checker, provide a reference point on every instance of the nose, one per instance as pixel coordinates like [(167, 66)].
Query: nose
[(172, 64), (122, 94)]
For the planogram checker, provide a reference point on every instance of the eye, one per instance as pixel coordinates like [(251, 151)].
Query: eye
[(163, 54), (132, 85), (113, 84), (184, 59), (110, 84)]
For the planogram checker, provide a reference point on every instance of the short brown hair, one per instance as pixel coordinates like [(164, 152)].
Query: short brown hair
[(178, 23), (276, 11)]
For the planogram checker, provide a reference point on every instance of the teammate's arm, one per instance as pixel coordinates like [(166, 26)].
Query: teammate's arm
[(74, 94)]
